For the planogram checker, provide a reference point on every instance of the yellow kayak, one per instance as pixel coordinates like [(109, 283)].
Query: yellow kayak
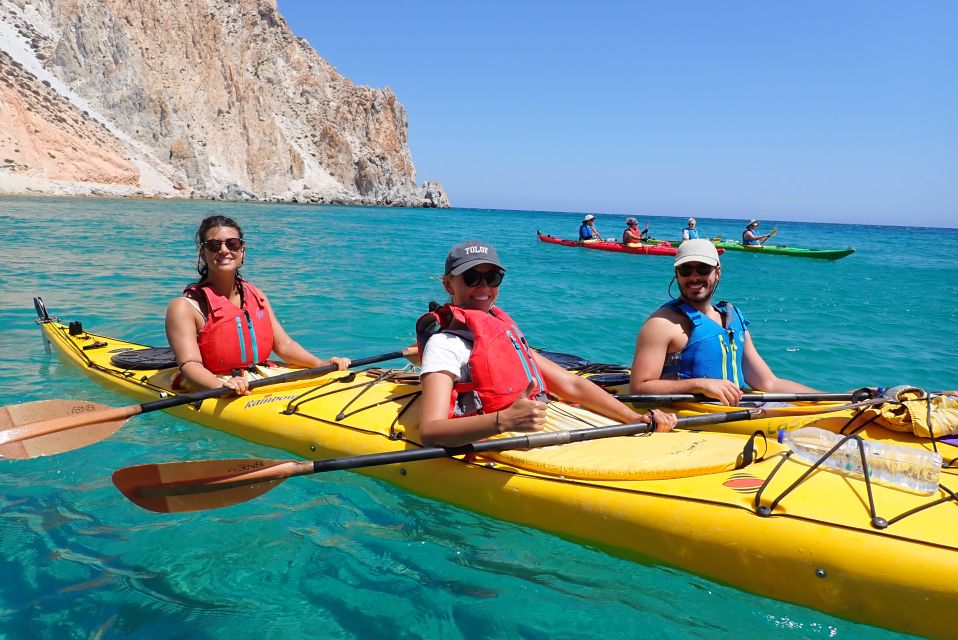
[(685, 499)]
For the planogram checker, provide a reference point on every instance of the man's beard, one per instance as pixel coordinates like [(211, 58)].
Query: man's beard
[(703, 295)]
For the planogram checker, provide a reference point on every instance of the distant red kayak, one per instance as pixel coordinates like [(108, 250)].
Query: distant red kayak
[(645, 249)]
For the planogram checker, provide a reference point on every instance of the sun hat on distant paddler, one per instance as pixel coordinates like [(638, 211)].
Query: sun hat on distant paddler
[(588, 218)]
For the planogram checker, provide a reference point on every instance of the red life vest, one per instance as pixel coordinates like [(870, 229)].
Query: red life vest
[(500, 365), (233, 337)]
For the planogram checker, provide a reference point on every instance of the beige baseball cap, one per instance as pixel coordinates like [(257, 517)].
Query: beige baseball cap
[(700, 250)]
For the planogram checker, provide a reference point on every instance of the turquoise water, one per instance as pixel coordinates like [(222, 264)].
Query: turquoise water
[(344, 556)]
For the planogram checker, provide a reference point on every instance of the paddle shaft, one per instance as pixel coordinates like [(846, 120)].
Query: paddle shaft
[(199, 396), (93, 416), (667, 398), (526, 441)]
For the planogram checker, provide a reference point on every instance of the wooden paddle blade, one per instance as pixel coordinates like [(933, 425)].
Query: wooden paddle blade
[(178, 487), (22, 437)]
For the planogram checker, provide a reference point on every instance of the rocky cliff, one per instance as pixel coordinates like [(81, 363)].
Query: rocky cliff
[(206, 98)]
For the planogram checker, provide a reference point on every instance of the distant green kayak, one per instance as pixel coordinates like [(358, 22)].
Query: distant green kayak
[(777, 249), (780, 249)]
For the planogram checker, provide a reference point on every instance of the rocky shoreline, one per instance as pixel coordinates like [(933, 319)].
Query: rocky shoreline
[(432, 194), (216, 100)]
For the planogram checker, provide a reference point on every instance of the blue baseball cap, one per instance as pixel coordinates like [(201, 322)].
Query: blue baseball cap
[(468, 254)]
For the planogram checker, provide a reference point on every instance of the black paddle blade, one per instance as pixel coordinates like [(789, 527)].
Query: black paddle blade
[(21, 435)]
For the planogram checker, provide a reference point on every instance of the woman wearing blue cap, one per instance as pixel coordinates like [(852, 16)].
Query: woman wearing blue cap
[(479, 376)]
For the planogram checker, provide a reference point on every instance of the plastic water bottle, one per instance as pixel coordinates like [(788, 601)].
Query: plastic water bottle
[(909, 468)]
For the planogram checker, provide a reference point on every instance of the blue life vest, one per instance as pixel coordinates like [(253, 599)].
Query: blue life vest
[(712, 351), (585, 232), (749, 243), (693, 233)]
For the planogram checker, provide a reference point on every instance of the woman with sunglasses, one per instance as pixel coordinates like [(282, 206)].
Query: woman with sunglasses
[(632, 236), (479, 376), (690, 345), (223, 328)]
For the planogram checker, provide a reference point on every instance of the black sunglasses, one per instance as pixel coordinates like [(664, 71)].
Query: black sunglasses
[(233, 244), (686, 270), (472, 278)]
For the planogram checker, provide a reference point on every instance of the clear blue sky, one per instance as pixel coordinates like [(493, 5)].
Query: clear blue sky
[(822, 110)]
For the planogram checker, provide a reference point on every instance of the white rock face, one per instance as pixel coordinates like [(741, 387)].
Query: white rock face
[(205, 98)]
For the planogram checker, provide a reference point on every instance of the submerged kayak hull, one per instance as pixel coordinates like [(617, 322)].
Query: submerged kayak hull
[(817, 547)]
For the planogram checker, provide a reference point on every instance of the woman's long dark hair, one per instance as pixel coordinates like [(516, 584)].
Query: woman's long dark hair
[(211, 223)]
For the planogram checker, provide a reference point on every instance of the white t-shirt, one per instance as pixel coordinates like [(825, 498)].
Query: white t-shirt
[(450, 353), (446, 352)]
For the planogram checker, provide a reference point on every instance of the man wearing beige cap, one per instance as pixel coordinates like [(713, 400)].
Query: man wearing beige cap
[(690, 345)]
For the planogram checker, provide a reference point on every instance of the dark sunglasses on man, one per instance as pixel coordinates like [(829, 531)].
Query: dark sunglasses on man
[(685, 270)]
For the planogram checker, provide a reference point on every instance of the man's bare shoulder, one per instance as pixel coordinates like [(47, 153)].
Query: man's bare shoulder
[(665, 313), (664, 322)]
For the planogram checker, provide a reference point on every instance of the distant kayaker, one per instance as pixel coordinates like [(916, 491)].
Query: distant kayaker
[(750, 238), (632, 235), (690, 345), (690, 232), (479, 376), (223, 327), (587, 230)]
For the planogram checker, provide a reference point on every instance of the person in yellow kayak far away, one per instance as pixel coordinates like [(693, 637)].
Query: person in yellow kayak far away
[(690, 345)]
